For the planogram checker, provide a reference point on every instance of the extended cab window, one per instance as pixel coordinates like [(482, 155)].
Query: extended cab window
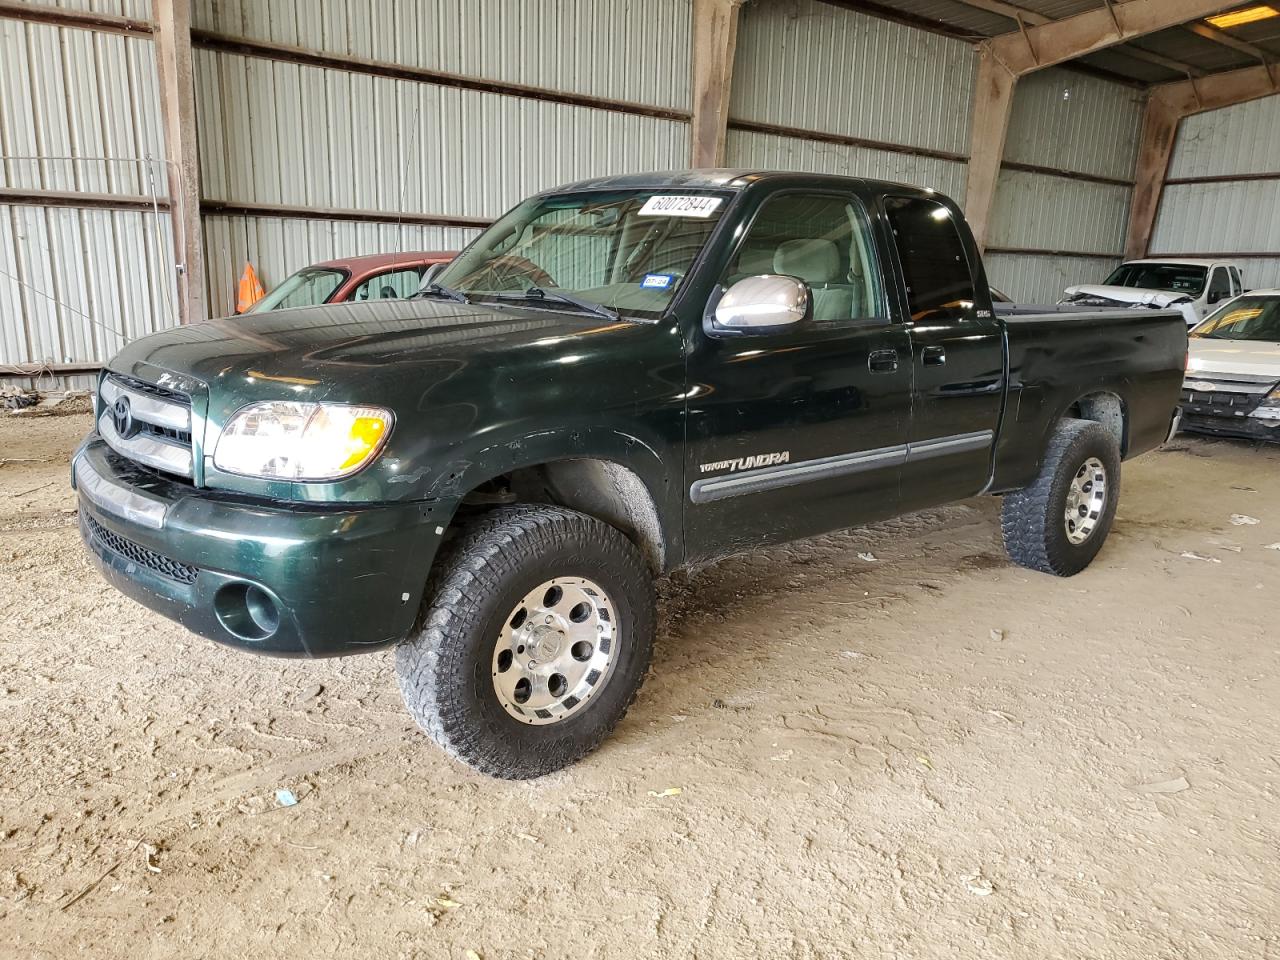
[(820, 239), (934, 266)]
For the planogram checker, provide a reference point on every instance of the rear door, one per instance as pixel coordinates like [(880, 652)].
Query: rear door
[(800, 431), (957, 353)]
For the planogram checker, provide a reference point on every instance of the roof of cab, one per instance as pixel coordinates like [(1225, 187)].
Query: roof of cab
[(1184, 261), (715, 178), (372, 261)]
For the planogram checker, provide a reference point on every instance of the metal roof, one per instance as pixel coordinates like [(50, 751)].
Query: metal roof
[(1127, 61)]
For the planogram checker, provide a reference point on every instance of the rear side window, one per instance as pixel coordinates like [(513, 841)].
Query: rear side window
[(934, 266), (392, 285), (1237, 285)]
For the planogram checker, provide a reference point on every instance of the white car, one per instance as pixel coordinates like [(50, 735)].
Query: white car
[(1232, 386), (1194, 287)]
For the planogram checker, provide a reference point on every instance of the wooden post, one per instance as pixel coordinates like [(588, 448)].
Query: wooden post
[(178, 105), (1159, 131), (992, 103), (1015, 54), (715, 38), (1168, 105)]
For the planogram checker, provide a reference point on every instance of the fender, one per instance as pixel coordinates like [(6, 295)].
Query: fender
[(471, 466)]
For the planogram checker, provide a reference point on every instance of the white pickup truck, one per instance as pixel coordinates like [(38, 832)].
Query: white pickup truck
[(1232, 386), (1193, 287)]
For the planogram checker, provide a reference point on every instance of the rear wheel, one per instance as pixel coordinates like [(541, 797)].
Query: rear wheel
[(1058, 524), (535, 638)]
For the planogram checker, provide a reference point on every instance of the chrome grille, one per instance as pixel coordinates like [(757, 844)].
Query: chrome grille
[(1225, 395), (146, 423)]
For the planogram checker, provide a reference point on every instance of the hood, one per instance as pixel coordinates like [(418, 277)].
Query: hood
[(1258, 358), (316, 353), (1158, 299)]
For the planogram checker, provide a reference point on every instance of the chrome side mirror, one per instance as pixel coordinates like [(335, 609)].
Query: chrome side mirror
[(763, 304)]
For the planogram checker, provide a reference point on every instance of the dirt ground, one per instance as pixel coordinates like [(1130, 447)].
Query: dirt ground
[(928, 754)]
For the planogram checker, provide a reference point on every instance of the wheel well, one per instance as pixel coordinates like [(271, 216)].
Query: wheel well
[(1108, 410), (602, 489)]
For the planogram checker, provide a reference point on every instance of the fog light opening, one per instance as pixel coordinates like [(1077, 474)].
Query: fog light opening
[(247, 611)]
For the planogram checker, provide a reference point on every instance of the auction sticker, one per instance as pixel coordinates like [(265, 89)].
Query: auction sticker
[(681, 206)]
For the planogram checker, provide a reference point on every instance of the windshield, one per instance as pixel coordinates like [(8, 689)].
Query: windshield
[(1244, 318), (627, 250), (1184, 278), (306, 288)]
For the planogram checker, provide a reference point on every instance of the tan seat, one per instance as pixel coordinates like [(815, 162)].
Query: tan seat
[(817, 263)]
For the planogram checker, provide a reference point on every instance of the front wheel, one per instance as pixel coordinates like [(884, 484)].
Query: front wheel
[(535, 639), (1058, 524)]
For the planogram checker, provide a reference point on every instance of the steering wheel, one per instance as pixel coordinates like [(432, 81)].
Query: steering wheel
[(509, 272)]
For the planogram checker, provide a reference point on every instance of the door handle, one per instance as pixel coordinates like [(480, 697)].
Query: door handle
[(934, 356), (882, 361)]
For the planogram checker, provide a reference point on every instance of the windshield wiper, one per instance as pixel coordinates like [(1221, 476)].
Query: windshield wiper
[(440, 290), (538, 293)]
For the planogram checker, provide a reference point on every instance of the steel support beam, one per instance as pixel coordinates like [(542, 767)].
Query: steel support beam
[(715, 39), (81, 20), (992, 104), (1168, 106), (1003, 59), (1159, 132), (1014, 12), (178, 106), (1048, 44)]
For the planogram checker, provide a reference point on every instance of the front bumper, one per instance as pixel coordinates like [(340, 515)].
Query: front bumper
[(287, 580), (1249, 428)]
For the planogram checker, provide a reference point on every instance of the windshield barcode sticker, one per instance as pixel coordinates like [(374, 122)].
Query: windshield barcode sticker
[(682, 206)]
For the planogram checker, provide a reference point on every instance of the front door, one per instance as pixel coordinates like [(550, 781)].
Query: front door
[(957, 352), (803, 431)]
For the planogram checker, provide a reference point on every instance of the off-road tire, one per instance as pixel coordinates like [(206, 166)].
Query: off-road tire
[(444, 667), (1032, 518)]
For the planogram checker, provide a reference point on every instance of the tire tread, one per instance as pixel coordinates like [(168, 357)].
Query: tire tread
[(487, 553), (1027, 517)]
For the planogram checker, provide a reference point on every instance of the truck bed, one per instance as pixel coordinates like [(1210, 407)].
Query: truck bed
[(1136, 356)]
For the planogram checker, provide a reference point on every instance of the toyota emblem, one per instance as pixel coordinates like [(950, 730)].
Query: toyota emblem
[(122, 418)]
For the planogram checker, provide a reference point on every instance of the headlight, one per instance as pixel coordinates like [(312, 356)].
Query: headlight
[(286, 440)]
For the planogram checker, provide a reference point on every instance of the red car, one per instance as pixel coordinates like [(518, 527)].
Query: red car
[(378, 276)]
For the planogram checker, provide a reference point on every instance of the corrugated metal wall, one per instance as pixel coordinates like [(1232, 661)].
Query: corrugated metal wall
[(772, 152), (618, 49), (1040, 279), (1071, 121), (814, 67), (393, 145), (75, 282), (867, 97), (1074, 124), (1233, 216)]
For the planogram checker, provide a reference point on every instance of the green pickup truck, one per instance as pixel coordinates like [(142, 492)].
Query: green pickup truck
[(619, 378)]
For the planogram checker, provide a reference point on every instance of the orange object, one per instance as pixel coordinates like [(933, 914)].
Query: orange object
[(250, 289)]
